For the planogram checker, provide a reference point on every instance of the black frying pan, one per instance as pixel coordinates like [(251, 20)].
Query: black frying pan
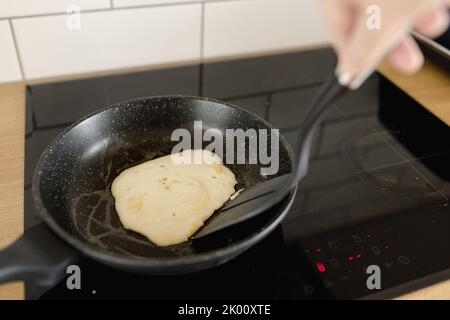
[(71, 189)]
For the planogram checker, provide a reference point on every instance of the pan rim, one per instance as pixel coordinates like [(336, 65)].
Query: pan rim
[(176, 261)]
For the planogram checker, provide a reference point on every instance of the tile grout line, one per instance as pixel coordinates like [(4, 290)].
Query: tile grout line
[(268, 106), (53, 14), (114, 8), (106, 93), (202, 32), (33, 114), (111, 4), (200, 79), (305, 86), (176, 4), (16, 47)]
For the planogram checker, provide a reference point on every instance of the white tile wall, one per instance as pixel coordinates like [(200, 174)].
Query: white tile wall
[(133, 3), (242, 27), (134, 33), (14, 8), (9, 65), (109, 40)]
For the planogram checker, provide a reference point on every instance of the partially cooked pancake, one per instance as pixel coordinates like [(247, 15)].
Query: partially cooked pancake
[(169, 202)]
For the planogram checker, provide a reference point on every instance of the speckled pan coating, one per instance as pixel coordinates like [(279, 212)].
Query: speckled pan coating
[(71, 183)]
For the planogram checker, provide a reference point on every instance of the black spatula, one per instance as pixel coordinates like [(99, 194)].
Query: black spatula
[(263, 196)]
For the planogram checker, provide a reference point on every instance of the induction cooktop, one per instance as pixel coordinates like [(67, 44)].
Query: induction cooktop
[(377, 192)]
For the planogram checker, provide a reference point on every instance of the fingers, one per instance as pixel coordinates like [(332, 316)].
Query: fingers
[(366, 47), (406, 57), (340, 16), (434, 23)]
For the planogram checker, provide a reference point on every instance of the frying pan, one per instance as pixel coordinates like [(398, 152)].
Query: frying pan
[(71, 190)]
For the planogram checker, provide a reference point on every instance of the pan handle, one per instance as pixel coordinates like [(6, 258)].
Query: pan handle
[(38, 256)]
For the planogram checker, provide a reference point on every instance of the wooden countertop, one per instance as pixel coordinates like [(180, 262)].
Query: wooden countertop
[(12, 143), (431, 87)]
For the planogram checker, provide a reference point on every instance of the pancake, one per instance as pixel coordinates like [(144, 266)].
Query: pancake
[(167, 201)]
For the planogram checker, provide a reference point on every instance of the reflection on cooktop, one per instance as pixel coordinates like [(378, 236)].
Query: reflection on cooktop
[(361, 169), (377, 191)]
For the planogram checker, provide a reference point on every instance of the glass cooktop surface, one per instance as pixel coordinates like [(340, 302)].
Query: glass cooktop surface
[(377, 192)]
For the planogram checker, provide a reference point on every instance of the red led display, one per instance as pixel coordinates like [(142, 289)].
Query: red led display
[(321, 267), (350, 258)]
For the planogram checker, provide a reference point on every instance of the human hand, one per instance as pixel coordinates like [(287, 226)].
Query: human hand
[(360, 48)]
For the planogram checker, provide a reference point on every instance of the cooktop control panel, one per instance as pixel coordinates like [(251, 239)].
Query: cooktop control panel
[(403, 247)]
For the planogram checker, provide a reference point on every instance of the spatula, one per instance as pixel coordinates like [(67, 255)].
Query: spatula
[(263, 196)]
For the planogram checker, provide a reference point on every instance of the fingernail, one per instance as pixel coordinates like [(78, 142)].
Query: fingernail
[(344, 79)]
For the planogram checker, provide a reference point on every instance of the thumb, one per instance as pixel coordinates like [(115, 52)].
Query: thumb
[(375, 33), (379, 29)]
